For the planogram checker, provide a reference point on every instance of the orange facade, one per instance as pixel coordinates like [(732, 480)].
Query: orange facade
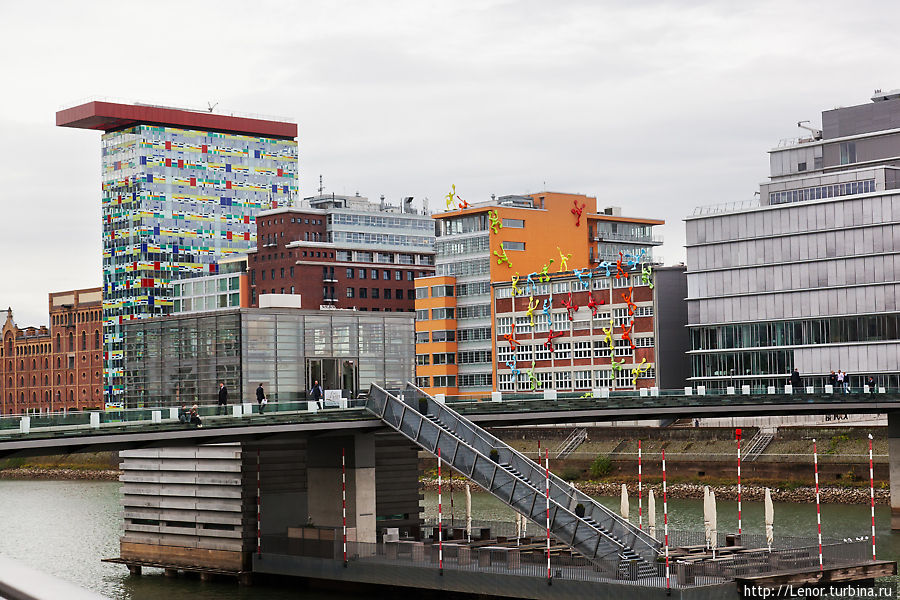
[(546, 232)]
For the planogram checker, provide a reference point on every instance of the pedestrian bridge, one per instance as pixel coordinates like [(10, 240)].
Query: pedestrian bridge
[(52, 433)]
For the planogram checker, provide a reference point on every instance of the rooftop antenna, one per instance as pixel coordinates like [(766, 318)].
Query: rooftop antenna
[(210, 106), (321, 187)]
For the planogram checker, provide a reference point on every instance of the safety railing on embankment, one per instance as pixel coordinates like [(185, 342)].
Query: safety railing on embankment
[(531, 560)]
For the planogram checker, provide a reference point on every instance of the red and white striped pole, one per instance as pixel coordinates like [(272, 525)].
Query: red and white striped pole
[(640, 501), (440, 524), (737, 434), (547, 471), (665, 516), (258, 510), (818, 508), (872, 493), (344, 499)]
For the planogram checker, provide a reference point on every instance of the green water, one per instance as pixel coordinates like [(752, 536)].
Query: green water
[(65, 528)]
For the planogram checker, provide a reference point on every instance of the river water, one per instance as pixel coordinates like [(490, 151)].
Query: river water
[(66, 527)]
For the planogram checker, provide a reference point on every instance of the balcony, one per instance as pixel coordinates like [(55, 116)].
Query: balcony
[(646, 240)]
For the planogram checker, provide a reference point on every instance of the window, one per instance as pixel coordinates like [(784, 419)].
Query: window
[(363, 292), (422, 337), (282, 272), (423, 359), (621, 317), (563, 380), (504, 325), (83, 344), (513, 223), (410, 294), (545, 379), (349, 273), (801, 166), (476, 380), (442, 313), (623, 348), (505, 382), (96, 340), (445, 358), (351, 292), (562, 351), (421, 292), (422, 314), (504, 354), (445, 381), (603, 379), (387, 293), (375, 292), (644, 342), (523, 324), (517, 246), (374, 273), (362, 273), (441, 291), (582, 380), (398, 294), (560, 287), (524, 352), (848, 153), (601, 349), (398, 275), (542, 352), (262, 275), (445, 335), (409, 276), (583, 349), (423, 382), (504, 292)]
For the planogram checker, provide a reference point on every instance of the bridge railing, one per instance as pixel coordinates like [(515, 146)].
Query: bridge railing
[(21, 582), (209, 414)]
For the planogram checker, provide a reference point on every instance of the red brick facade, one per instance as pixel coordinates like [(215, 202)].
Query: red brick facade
[(56, 368), (292, 257)]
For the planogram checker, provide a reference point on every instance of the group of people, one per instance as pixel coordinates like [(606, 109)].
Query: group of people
[(192, 416), (840, 381)]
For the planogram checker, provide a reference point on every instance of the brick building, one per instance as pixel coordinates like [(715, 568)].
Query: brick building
[(342, 252), (57, 368)]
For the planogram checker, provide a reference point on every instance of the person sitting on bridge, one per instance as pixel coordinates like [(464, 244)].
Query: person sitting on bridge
[(195, 417), (183, 415)]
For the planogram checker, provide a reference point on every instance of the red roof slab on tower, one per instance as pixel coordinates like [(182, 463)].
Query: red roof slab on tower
[(108, 116)]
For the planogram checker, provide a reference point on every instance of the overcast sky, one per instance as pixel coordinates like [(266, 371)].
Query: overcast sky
[(654, 107)]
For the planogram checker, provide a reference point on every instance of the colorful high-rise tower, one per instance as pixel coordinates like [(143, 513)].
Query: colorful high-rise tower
[(180, 190)]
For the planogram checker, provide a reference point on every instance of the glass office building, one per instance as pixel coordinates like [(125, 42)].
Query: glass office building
[(182, 358)]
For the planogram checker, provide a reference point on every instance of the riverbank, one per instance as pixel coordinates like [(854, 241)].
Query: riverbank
[(694, 491), (90, 466)]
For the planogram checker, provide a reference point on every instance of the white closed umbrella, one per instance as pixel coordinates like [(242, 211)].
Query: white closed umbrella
[(469, 512), (713, 522), (623, 505), (707, 530), (770, 519), (651, 513)]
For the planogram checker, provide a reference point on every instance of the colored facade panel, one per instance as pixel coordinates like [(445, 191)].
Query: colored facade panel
[(175, 202)]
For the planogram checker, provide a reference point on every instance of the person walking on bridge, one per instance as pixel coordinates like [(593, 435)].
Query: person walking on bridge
[(223, 399), (795, 380), (261, 398), (318, 395)]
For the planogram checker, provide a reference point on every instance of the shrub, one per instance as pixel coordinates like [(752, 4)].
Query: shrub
[(495, 456), (601, 467)]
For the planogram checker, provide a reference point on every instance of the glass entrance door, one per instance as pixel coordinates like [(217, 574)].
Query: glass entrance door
[(332, 373)]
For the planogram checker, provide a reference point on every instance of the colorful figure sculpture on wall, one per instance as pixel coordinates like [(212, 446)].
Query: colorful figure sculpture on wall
[(535, 384), (544, 275), (532, 304), (577, 212), (550, 335), (620, 272), (531, 285), (605, 265), (646, 276), (512, 341), (548, 303), (626, 335), (626, 296), (616, 366), (636, 371), (496, 223), (515, 372), (516, 290), (501, 256), (563, 260), (592, 304), (571, 307), (451, 196), (584, 276), (634, 260)]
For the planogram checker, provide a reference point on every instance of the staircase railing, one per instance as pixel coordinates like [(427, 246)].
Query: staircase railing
[(599, 534), (575, 439), (560, 491)]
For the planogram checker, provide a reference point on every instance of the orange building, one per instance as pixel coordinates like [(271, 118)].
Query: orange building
[(57, 368), (509, 237)]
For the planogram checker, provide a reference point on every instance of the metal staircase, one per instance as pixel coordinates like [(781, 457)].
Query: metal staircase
[(613, 544), (758, 444), (575, 439)]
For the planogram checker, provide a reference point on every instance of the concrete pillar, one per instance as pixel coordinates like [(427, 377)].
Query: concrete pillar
[(324, 477), (894, 466)]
